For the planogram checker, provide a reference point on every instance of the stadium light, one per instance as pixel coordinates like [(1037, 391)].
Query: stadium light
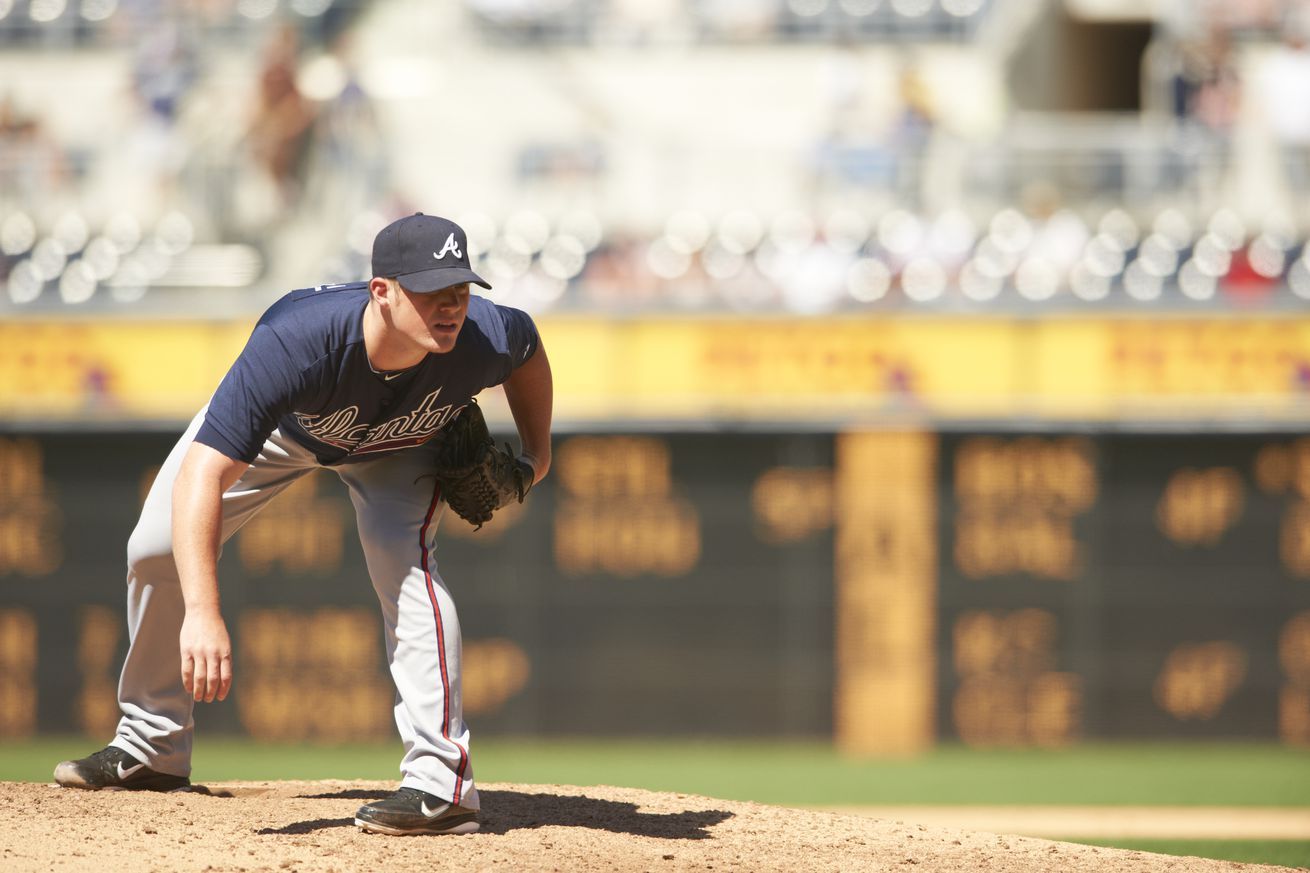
[(858, 8), (900, 232), (992, 260), (98, 10), (1037, 279), (256, 9), (687, 231), (526, 231), (1212, 257), (978, 285), (102, 256), (912, 8), (1011, 231), (666, 261), (25, 283), (78, 283), (1194, 283), (953, 233), (1158, 256), (868, 280), (721, 262), (1175, 227), (1120, 227), (1103, 256), (962, 8), (124, 231), (1266, 257), (507, 260), (923, 280), (1140, 284), (1298, 278), (17, 234), (45, 11), (71, 231), (563, 257), (807, 8), (49, 257), (1086, 284), (1227, 229)]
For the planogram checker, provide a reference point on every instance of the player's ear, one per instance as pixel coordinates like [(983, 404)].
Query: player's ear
[(378, 289)]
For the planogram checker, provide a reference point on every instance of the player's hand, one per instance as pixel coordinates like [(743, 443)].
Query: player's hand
[(206, 656)]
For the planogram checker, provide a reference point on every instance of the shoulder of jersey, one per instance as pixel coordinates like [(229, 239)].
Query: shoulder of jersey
[(480, 307), (323, 292), (297, 310)]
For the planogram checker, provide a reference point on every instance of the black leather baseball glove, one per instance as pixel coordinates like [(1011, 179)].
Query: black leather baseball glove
[(476, 477)]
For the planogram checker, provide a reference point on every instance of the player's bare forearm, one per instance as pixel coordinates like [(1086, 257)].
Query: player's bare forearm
[(206, 649), (530, 392)]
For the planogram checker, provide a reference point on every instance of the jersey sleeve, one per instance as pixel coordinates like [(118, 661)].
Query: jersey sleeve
[(259, 388), (521, 337)]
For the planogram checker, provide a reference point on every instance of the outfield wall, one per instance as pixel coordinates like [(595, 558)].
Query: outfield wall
[(725, 368), (887, 588)]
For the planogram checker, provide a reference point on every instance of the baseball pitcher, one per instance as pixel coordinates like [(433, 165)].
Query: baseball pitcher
[(376, 381)]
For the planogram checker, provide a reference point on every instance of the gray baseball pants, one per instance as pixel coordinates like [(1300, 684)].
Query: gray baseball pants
[(397, 519)]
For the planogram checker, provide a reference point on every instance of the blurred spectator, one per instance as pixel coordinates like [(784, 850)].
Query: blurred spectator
[(164, 69), (280, 126), (1206, 87), (33, 167), (1282, 93), (348, 162)]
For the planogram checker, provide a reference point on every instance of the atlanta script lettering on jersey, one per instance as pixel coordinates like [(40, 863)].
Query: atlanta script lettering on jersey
[(340, 428)]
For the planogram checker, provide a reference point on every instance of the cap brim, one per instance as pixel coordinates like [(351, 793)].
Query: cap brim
[(426, 281)]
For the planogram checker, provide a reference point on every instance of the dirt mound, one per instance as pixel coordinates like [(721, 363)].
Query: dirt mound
[(273, 826)]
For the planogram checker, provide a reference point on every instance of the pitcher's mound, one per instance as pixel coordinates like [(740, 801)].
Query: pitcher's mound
[(309, 826)]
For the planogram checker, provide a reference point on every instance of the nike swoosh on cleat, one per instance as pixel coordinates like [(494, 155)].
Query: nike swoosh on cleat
[(123, 774), (430, 813)]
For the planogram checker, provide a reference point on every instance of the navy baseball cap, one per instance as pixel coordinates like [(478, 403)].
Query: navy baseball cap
[(424, 253)]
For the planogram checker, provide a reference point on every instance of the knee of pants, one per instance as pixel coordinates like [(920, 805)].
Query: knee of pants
[(150, 555)]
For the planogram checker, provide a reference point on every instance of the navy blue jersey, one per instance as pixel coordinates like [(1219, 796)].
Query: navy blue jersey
[(305, 372)]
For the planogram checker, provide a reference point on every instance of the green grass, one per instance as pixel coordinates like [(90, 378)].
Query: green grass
[(794, 774), (1283, 853)]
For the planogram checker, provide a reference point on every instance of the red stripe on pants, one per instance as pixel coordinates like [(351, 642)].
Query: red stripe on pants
[(441, 646)]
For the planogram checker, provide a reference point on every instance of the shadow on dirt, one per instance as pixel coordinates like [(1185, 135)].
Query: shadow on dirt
[(349, 794), (309, 827), (505, 811)]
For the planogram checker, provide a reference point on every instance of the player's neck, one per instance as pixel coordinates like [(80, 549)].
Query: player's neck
[(387, 349)]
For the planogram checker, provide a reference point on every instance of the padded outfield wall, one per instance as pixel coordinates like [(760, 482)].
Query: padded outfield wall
[(889, 532), (888, 588)]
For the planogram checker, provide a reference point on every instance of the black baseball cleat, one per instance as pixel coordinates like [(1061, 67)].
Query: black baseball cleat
[(111, 767), (410, 811)]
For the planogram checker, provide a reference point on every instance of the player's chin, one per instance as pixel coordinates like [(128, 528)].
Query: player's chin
[(444, 335)]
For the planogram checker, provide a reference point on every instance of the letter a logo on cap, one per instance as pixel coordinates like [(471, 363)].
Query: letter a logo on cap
[(449, 246)]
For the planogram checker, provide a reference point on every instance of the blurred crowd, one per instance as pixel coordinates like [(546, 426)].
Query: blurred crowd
[(581, 22), (1196, 66), (208, 179)]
